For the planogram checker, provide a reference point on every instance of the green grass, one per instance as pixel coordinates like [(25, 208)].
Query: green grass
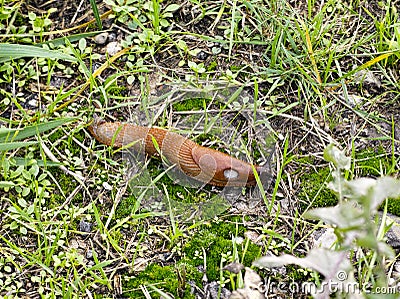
[(293, 71)]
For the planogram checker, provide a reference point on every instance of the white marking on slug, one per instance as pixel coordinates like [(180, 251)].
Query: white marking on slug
[(230, 174)]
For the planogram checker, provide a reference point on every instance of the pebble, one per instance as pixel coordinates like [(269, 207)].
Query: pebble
[(326, 239), (202, 55), (85, 226), (113, 48), (89, 254), (101, 38), (367, 77)]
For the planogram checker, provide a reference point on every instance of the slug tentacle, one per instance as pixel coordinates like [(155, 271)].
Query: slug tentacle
[(198, 162)]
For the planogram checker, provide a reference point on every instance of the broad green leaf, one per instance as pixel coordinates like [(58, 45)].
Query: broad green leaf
[(22, 202), (23, 161), (14, 145), (14, 51), (71, 38), (8, 134), (172, 7), (385, 187), (6, 131), (370, 193), (82, 44), (6, 184)]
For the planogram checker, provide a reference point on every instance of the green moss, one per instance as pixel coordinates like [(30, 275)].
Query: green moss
[(227, 229), (212, 66), (190, 104), (184, 200), (68, 143), (253, 252), (113, 91), (57, 135), (314, 193), (236, 68), (124, 208), (3, 107), (164, 278), (217, 240), (175, 191), (256, 153), (68, 183), (393, 206), (372, 162), (79, 136), (297, 273)]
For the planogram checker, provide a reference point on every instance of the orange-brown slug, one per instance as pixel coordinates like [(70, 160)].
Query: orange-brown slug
[(198, 162)]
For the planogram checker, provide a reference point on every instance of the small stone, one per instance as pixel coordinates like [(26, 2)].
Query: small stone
[(112, 37), (253, 237), (33, 103), (85, 226), (89, 254), (393, 235), (140, 264), (216, 50), (234, 267), (73, 243), (355, 100), (107, 186), (325, 240), (201, 55), (366, 77), (252, 282), (214, 291), (113, 48), (101, 38), (397, 266)]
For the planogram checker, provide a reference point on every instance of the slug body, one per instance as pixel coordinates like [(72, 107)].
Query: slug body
[(200, 163)]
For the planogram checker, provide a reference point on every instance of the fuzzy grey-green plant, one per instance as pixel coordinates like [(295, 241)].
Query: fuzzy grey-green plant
[(359, 200)]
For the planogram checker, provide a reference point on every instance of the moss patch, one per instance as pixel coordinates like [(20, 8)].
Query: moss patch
[(393, 206), (372, 163), (190, 104), (170, 279), (216, 241), (314, 193)]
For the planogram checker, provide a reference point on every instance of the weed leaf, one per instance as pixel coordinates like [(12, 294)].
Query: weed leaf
[(16, 134), (13, 51)]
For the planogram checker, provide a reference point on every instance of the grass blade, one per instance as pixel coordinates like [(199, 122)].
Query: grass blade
[(13, 51), (96, 14), (14, 145), (30, 131)]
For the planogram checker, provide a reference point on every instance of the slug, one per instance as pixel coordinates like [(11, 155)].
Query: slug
[(201, 163)]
